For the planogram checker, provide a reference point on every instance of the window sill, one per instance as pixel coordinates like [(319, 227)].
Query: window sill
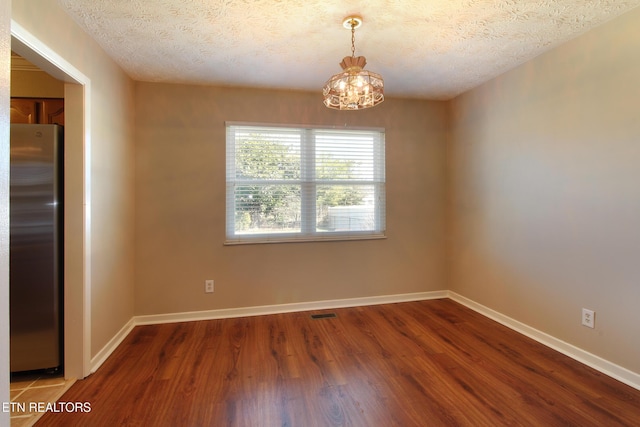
[(305, 240)]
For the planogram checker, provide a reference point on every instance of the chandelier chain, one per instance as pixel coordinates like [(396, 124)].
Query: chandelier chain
[(353, 38)]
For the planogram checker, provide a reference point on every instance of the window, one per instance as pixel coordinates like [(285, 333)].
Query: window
[(293, 183)]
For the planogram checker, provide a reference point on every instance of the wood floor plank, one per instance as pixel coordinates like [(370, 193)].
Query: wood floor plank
[(427, 363)]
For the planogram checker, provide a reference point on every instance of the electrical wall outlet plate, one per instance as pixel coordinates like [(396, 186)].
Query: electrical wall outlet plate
[(208, 286), (588, 318)]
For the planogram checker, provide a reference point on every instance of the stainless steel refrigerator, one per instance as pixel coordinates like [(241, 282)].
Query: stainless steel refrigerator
[(36, 245)]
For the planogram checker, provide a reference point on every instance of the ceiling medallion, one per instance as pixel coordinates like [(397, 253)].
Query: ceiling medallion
[(353, 88)]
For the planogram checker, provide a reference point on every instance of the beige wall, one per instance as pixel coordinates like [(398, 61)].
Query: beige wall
[(5, 74), (544, 179), (35, 84), (112, 163), (180, 210)]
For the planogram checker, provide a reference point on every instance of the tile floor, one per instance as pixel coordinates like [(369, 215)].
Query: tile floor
[(34, 389)]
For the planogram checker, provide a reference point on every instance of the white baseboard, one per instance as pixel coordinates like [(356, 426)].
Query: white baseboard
[(284, 308), (604, 366), (106, 351)]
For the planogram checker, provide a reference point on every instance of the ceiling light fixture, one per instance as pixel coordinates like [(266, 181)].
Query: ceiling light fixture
[(353, 88)]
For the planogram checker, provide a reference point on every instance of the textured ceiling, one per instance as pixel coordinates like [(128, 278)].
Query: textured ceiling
[(433, 49)]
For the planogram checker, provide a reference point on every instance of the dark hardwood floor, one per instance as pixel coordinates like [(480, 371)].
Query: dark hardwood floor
[(428, 363)]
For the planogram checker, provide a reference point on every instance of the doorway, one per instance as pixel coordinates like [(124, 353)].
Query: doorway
[(77, 204)]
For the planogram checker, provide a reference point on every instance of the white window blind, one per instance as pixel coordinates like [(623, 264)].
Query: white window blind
[(300, 183)]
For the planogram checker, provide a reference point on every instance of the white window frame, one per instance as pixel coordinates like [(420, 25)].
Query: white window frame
[(308, 185)]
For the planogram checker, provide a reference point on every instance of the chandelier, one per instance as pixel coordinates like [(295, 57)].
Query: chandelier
[(353, 88)]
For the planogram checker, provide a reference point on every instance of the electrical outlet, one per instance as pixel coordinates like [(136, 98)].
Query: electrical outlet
[(208, 286), (588, 318)]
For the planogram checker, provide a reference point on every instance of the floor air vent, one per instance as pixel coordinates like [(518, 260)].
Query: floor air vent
[(323, 316)]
